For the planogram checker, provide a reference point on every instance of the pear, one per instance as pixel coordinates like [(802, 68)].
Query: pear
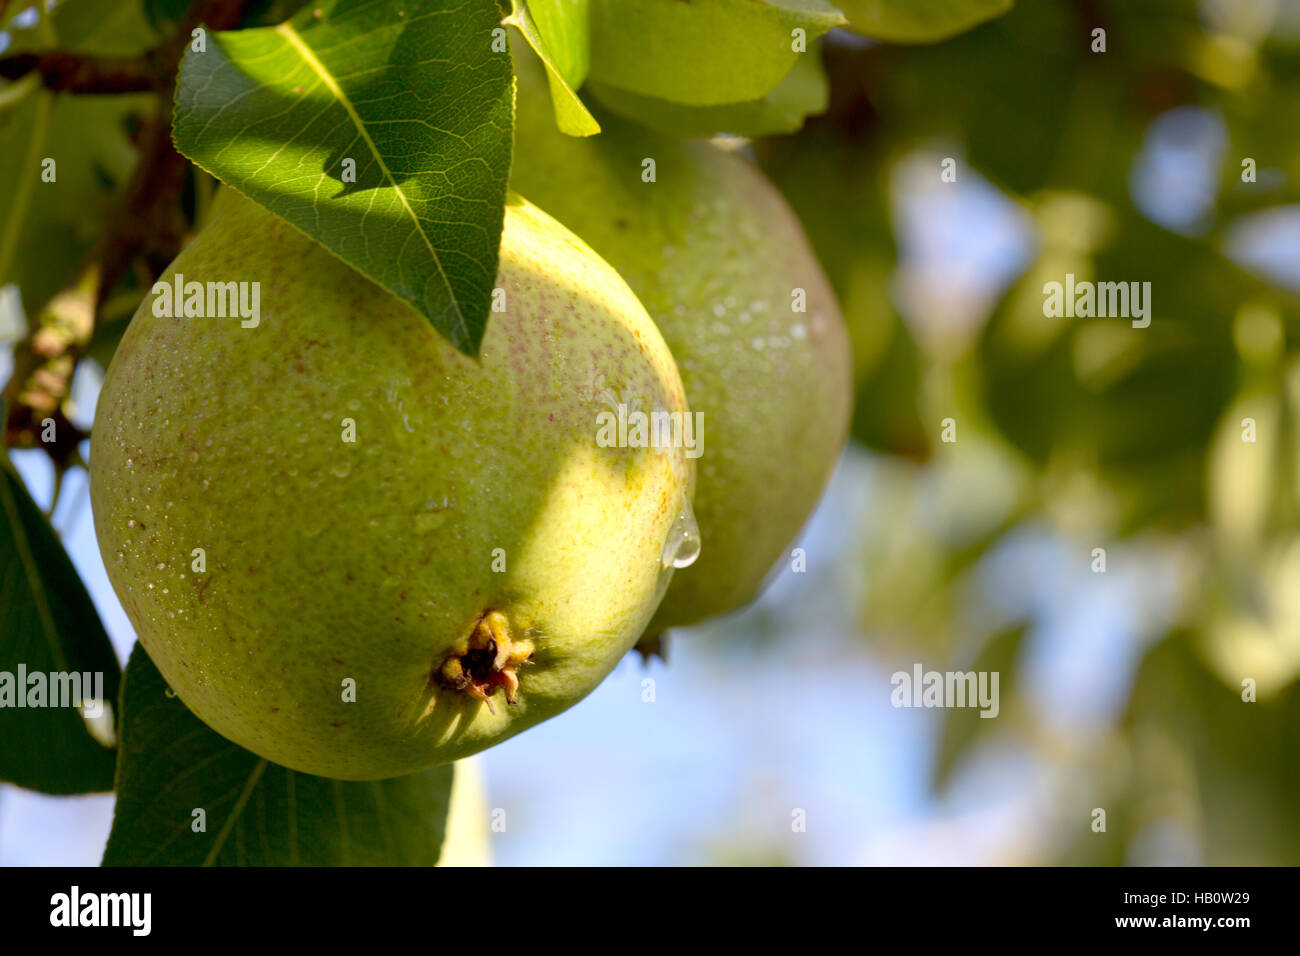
[(357, 552), (722, 264)]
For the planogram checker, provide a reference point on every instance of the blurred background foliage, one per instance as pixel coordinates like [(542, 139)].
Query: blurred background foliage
[(1120, 690), (1087, 433)]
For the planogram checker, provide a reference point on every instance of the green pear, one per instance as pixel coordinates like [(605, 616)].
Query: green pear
[(353, 550), (721, 264)]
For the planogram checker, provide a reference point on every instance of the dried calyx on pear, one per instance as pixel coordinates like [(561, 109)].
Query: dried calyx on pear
[(486, 660)]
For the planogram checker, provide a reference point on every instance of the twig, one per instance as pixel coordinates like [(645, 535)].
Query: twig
[(69, 73), (155, 71), (144, 231)]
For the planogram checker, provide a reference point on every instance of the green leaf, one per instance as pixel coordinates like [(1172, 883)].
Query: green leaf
[(803, 92), (919, 21), (49, 626), (45, 227), (557, 32), (963, 727), (255, 813), (1055, 137), (1199, 752), (415, 96), (1141, 405), (89, 28), (563, 27), (703, 53), (886, 416)]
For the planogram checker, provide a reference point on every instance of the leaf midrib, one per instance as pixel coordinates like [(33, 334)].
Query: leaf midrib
[(249, 786), (300, 46)]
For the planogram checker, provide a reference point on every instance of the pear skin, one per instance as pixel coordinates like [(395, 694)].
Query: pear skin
[(352, 549), (721, 263)]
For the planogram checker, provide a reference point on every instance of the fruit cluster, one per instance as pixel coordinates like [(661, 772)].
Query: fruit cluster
[(338, 537)]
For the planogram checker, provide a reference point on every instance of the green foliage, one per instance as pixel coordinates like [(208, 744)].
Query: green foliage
[(1223, 769), (557, 32), (1132, 403), (385, 137), (49, 625), (256, 813), (964, 729), (92, 27), (1116, 435), (803, 92), (704, 53), (1086, 430), (919, 21), (45, 227)]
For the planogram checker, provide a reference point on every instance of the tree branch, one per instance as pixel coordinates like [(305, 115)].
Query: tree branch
[(144, 230), (154, 71), (68, 73)]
